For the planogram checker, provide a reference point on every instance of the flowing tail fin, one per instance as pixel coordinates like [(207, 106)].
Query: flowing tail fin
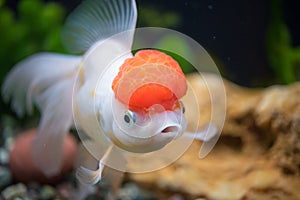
[(46, 80)]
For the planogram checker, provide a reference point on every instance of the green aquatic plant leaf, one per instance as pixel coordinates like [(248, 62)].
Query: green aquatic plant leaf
[(183, 52), (282, 56), (150, 16), (35, 26)]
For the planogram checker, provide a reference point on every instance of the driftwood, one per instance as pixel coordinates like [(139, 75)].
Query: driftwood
[(256, 157)]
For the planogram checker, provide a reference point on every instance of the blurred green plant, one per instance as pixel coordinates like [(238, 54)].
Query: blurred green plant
[(34, 27), (282, 56), (151, 16), (182, 49)]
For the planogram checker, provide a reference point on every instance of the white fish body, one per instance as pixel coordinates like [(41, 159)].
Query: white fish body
[(48, 80)]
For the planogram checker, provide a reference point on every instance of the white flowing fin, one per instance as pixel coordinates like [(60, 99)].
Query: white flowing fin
[(33, 75), (205, 134), (209, 137), (89, 177), (95, 20), (47, 80)]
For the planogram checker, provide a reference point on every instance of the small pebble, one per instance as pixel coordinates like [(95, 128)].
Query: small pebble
[(8, 136), (18, 198), (8, 133), (131, 191), (5, 177), (96, 196), (33, 186), (176, 197), (66, 190), (14, 191), (4, 157), (33, 190), (47, 192)]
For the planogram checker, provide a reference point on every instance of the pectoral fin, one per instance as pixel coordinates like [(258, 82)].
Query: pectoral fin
[(90, 177), (205, 134), (209, 135)]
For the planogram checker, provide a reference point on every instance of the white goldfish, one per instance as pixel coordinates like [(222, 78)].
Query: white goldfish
[(119, 101)]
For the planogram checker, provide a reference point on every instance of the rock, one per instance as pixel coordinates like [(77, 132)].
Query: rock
[(257, 155), (47, 192), (4, 156), (8, 133), (5, 177), (21, 163), (176, 197), (33, 189), (14, 191), (131, 191), (66, 190)]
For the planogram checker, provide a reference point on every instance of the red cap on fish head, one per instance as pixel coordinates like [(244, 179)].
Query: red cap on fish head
[(150, 77)]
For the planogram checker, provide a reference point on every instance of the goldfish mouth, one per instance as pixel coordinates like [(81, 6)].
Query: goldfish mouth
[(170, 129)]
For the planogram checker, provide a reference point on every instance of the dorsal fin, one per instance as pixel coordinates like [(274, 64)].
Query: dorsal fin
[(95, 20)]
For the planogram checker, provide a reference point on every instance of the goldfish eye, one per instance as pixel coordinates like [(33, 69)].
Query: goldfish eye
[(130, 117), (182, 107)]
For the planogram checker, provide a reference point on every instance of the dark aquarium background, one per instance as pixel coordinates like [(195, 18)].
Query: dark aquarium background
[(235, 33), (254, 43)]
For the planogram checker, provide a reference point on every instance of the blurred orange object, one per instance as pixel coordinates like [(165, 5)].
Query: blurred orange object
[(21, 163)]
